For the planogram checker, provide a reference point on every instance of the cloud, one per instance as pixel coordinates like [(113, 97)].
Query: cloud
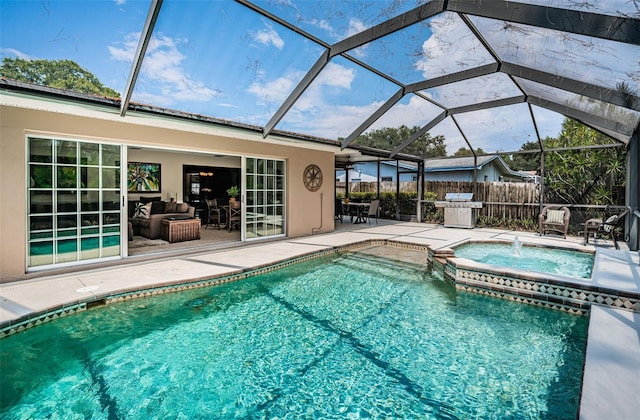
[(335, 75), (162, 71), (451, 47), (269, 36), (275, 91), (15, 53), (322, 24), (355, 27), (120, 2), (415, 112)]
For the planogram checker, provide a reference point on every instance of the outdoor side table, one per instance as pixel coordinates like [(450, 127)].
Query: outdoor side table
[(179, 230)]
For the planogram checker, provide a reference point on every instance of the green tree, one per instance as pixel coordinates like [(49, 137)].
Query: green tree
[(463, 152), (583, 176), (387, 138), (525, 161), (61, 74)]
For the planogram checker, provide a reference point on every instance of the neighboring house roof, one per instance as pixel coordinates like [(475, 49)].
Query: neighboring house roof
[(460, 163), (356, 176), (467, 164)]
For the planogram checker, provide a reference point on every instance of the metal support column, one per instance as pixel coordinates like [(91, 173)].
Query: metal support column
[(632, 191), (397, 189)]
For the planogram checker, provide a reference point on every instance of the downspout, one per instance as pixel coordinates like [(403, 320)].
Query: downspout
[(314, 230)]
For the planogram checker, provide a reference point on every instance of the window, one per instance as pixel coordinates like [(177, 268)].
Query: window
[(386, 178), (73, 201)]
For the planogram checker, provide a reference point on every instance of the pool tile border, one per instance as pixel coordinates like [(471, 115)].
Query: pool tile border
[(546, 292)]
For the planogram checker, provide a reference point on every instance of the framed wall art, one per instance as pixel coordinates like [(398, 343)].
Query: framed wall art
[(143, 177)]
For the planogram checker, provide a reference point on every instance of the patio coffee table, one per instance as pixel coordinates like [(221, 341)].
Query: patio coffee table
[(179, 230)]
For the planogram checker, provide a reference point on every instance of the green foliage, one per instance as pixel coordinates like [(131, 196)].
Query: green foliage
[(591, 176), (387, 138), (510, 224), (525, 161), (463, 152), (233, 191), (61, 74), (429, 211)]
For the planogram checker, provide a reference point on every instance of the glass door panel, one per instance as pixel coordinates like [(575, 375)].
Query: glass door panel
[(74, 201), (264, 198)]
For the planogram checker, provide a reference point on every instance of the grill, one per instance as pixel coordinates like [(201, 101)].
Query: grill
[(459, 210)]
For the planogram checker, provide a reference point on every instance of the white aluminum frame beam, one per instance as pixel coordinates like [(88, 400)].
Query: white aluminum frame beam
[(145, 37)]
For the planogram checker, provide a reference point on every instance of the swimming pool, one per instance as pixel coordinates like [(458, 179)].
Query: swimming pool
[(345, 336), (547, 260)]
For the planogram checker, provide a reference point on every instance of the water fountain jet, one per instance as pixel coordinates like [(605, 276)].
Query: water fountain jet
[(517, 247)]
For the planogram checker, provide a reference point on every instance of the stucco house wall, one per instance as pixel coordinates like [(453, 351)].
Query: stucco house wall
[(305, 210)]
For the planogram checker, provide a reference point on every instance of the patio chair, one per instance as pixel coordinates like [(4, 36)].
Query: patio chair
[(554, 219), (605, 226), (213, 213), (374, 210), (234, 215), (338, 212)]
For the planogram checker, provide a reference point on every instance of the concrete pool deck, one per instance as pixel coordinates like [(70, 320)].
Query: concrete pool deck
[(612, 367)]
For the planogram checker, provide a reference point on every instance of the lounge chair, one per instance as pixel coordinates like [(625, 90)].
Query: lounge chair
[(605, 226), (554, 219)]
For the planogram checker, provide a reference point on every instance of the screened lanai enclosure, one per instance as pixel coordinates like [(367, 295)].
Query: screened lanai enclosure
[(483, 76)]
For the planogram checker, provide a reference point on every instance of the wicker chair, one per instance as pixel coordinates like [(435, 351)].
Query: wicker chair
[(554, 219), (605, 226)]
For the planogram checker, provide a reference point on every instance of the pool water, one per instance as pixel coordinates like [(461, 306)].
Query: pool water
[(345, 336), (557, 261)]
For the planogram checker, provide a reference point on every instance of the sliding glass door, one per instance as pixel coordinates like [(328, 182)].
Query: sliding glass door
[(264, 191), (74, 197)]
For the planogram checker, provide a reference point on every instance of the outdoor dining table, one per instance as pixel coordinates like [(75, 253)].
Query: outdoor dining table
[(361, 210)]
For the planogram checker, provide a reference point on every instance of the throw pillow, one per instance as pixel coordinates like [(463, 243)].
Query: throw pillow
[(555, 216), (182, 208), (158, 207), (142, 211), (610, 221), (170, 207)]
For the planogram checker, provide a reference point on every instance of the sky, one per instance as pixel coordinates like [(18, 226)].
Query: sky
[(220, 59)]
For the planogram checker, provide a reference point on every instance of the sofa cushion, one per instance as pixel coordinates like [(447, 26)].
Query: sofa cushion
[(142, 211), (145, 200), (158, 207), (182, 207), (170, 207)]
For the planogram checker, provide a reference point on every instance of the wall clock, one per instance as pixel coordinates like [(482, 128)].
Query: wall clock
[(312, 177)]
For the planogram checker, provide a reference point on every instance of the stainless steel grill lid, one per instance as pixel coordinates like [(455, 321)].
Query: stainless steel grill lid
[(458, 196)]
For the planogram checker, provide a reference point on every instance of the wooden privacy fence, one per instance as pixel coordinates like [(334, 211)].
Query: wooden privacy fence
[(504, 200)]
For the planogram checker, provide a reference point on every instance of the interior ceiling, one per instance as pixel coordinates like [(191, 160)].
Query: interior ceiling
[(487, 74)]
